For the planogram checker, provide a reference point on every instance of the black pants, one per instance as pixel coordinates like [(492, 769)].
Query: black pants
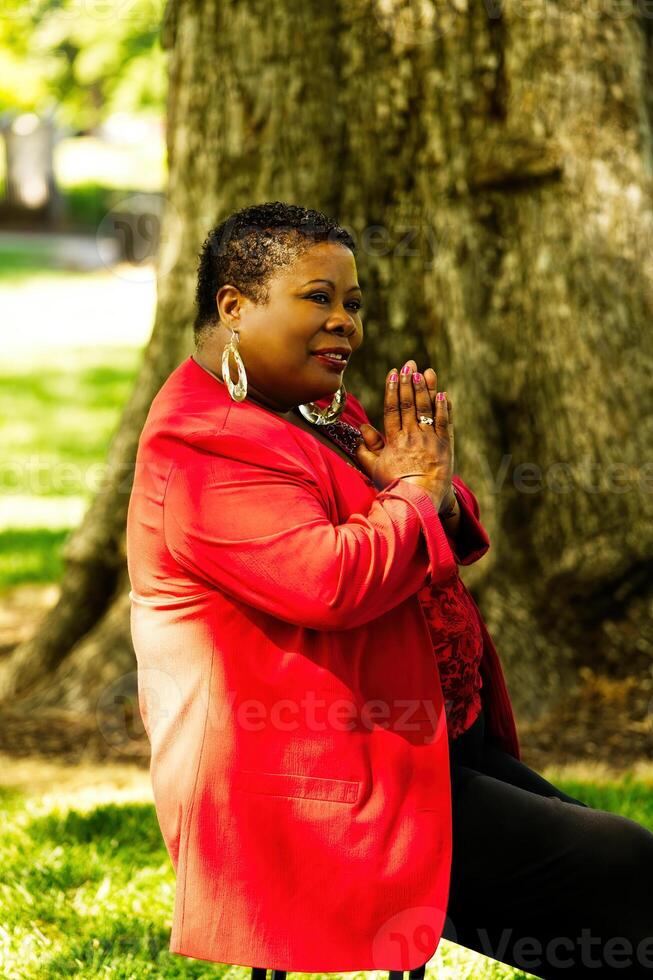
[(542, 881)]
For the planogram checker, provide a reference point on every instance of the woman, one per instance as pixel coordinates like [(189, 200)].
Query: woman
[(335, 765)]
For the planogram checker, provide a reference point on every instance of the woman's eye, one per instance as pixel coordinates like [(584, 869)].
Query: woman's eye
[(354, 302)]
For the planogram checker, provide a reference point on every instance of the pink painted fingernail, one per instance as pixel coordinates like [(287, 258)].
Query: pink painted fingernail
[(440, 396), (394, 376), (406, 369), (417, 376)]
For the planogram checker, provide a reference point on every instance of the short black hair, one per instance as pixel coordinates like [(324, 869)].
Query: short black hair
[(247, 248)]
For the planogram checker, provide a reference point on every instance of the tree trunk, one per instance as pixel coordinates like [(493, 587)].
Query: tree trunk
[(495, 167)]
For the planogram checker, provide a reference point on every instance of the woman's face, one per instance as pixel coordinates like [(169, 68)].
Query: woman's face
[(314, 304)]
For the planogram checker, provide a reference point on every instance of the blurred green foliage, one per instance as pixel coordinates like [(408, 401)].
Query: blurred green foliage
[(58, 425), (84, 60), (87, 204)]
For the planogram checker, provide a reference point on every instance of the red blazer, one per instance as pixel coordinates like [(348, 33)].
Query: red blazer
[(289, 689)]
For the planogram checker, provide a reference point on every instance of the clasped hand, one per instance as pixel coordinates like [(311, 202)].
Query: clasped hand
[(374, 441)]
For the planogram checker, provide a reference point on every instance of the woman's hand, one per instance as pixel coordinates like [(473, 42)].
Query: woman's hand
[(373, 438), (374, 441), (422, 402)]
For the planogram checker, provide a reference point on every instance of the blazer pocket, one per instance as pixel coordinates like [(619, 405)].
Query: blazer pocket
[(296, 785)]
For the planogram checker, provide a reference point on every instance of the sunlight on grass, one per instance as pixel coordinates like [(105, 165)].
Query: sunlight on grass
[(62, 408), (85, 158), (39, 515), (88, 886), (595, 771), (629, 793), (70, 349), (18, 262), (54, 309)]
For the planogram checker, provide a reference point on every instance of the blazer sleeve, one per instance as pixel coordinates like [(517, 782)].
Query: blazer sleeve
[(254, 524), (471, 540)]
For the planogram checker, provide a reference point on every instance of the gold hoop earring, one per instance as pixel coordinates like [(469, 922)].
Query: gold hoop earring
[(322, 416), (238, 391)]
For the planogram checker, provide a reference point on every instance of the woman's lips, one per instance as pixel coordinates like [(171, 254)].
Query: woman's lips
[(330, 362)]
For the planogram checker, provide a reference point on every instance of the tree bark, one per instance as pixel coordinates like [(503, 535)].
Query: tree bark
[(495, 167)]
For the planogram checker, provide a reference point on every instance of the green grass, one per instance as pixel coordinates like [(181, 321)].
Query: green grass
[(62, 415), (17, 261), (58, 423), (631, 797), (31, 555), (70, 349), (87, 894), (87, 889)]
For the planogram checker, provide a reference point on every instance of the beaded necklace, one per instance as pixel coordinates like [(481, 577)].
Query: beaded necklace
[(343, 434)]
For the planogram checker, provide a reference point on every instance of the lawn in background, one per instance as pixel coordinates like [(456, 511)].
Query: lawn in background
[(71, 336), (70, 348), (88, 886), (59, 419)]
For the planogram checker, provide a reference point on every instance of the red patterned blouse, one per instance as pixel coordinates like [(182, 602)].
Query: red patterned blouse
[(453, 621)]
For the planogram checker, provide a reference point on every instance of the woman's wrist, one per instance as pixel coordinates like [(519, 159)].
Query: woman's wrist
[(421, 480)]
